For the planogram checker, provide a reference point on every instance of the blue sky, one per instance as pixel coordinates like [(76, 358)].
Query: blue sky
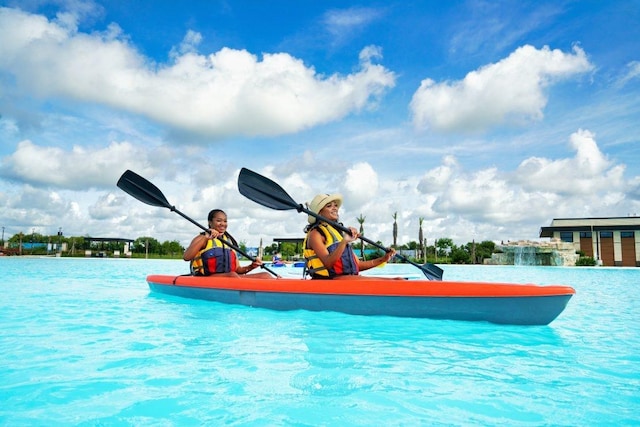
[(485, 119)]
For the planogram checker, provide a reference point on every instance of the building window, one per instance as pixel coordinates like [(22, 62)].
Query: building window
[(627, 234), (585, 234), (566, 236), (606, 234)]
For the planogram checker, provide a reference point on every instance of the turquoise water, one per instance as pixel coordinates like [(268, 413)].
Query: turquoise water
[(85, 343)]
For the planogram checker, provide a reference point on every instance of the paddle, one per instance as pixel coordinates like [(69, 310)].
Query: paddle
[(264, 191), (146, 192)]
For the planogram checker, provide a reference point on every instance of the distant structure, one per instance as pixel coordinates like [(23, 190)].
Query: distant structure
[(101, 240), (613, 241), (525, 252)]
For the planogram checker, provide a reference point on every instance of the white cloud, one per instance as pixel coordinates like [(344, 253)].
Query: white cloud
[(588, 172), (438, 178), (189, 44), (344, 22), (509, 91), (78, 168), (587, 184), (456, 202), (35, 208), (107, 207), (360, 184), (632, 72), (224, 93)]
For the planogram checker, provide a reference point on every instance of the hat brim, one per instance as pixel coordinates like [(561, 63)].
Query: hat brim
[(320, 201)]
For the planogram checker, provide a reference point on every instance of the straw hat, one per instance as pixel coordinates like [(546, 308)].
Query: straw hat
[(320, 201)]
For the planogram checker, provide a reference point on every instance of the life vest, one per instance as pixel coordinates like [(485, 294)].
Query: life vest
[(346, 265), (214, 258)]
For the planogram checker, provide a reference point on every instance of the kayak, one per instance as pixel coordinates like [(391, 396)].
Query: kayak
[(502, 303)]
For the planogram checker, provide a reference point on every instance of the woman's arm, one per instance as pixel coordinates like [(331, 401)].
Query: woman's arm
[(317, 243), (244, 270), (196, 245), (365, 265)]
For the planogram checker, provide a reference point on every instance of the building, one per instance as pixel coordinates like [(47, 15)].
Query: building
[(93, 241), (612, 241)]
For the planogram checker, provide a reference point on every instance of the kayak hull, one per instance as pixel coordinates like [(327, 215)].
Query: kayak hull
[(501, 303)]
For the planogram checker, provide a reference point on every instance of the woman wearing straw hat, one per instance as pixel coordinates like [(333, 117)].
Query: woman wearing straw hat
[(327, 251)]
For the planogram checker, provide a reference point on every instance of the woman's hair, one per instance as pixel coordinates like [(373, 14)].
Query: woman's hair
[(214, 212), (310, 227), (226, 233)]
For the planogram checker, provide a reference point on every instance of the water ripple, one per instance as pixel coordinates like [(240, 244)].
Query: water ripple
[(85, 343)]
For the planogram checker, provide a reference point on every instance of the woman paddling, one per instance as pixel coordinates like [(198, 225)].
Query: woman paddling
[(209, 255), (327, 251)]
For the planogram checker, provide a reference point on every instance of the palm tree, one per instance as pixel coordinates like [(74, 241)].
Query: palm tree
[(395, 230), (473, 251), (423, 252), (361, 219)]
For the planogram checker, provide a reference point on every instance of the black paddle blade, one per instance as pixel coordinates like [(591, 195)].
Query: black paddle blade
[(262, 190), (432, 271), (143, 190)]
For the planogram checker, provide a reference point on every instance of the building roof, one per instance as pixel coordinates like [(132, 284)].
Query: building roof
[(591, 224), (108, 239), (289, 240)]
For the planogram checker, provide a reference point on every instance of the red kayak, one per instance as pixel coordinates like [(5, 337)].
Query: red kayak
[(503, 303)]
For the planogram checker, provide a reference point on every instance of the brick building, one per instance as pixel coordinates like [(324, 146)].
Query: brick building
[(613, 241)]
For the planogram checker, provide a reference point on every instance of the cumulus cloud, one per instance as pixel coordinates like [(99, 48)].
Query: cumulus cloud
[(224, 93), (108, 206), (509, 91), (438, 178), (80, 168), (587, 184), (588, 172), (360, 184), (42, 208)]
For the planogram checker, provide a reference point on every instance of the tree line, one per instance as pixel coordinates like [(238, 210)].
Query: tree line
[(42, 244), (442, 251)]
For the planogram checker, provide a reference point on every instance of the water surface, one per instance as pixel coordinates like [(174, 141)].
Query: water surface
[(84, 342)]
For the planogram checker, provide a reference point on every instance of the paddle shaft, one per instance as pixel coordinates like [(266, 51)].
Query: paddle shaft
[(143, 190), (264, 191), (347, 230), (231, 245)]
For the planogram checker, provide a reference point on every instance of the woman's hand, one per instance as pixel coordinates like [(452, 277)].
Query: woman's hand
[(351, 237), (388, 255), (254, 264), (211, 234)]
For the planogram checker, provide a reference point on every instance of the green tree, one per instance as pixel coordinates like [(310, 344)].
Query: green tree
[(171, 248), (270, 250), (243, 246), (288, 250), (412, 245), (143, 245), (585, 261), (444, 246), (460, 256), (482, 251)]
